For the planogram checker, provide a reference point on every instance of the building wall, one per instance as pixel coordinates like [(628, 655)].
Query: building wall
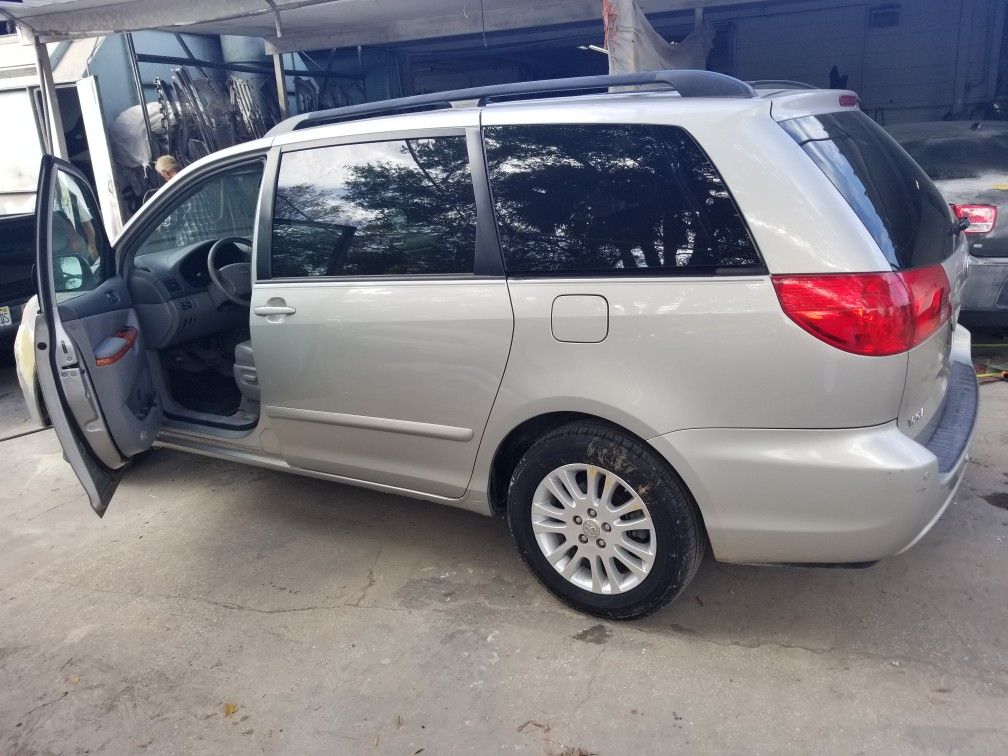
[(920, 69)]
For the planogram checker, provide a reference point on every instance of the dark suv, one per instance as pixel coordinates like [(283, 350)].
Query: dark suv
[(969, 164), (17, 255)]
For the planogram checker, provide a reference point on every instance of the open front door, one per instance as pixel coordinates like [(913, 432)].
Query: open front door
[(89, 352)]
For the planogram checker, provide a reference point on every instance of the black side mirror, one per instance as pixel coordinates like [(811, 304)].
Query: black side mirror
[(72, 273)]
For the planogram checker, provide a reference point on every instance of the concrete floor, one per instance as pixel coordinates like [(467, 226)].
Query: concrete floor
[(218, 608)]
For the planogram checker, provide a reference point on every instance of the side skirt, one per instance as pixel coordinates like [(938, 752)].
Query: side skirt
[(184, 443)]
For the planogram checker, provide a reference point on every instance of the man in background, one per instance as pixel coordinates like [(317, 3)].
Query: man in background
[(167, 166)]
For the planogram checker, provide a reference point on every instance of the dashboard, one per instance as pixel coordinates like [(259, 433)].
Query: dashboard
[(174, 298)]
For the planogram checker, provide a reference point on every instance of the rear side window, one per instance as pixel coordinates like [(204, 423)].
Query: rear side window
[(612, 199), (893, 197), (382, 208)]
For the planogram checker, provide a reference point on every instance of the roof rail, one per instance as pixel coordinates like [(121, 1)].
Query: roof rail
[(780, 84), (687, 83)]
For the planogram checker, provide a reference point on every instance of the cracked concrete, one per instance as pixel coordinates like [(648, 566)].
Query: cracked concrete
[(221, 609)]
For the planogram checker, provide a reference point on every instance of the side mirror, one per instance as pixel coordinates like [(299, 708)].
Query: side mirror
[(72, 273)]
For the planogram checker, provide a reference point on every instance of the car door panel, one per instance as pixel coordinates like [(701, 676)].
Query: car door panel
[(89, 349), (389, 382), (120, 377)]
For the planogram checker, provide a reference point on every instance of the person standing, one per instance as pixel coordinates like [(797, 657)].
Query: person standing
[(167, 166)]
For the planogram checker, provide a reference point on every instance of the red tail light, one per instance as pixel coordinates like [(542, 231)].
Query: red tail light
[(981, 217), (873, 314)]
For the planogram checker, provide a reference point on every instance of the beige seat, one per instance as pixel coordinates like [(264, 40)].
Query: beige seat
[(245, 372)]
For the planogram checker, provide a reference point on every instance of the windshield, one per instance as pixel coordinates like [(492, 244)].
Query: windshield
[(895, 200), (224, 205)]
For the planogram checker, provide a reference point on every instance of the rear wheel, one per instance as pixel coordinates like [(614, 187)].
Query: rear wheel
[(603, 522)]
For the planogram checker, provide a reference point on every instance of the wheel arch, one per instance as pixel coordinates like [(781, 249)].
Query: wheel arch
[(522, 436)]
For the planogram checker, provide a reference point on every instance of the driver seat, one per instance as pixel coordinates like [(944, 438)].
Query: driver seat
[(245, 371)]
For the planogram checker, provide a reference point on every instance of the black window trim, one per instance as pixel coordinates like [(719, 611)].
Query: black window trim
[(624, 273), (488, 262)]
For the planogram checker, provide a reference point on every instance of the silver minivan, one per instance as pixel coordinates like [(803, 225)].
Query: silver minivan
[(634, 323)]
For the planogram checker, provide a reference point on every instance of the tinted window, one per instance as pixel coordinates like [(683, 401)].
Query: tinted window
[(224, 205), (397, 207), (612, 199), (893, 197)]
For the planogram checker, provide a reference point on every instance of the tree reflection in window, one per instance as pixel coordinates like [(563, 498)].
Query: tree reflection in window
[(611, 198), (380, 208)]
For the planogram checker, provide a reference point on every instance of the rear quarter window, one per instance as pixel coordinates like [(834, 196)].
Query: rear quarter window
[(895, 200), (611, 200)]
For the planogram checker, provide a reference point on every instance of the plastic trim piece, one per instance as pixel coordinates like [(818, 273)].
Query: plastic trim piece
[(958, 417)]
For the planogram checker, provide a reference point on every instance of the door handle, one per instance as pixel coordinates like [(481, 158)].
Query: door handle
[(267, 310)]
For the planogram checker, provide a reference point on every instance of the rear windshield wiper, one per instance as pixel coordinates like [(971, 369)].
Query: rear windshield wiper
[(959, 225)]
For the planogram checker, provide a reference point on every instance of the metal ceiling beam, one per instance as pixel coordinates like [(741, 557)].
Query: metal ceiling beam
[(54, 121), (400, 27), (66, 20)]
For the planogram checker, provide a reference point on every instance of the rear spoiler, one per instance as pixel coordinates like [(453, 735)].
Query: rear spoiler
[(794, 103)]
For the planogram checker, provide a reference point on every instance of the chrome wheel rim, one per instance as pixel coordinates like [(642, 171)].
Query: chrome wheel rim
[(593, 527)]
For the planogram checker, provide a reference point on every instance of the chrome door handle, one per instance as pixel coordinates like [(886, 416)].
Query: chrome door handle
[(267, 310)]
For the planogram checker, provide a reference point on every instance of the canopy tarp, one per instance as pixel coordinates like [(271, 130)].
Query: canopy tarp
[(313, 24)]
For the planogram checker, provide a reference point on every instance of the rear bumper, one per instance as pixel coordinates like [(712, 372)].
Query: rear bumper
[(825, 496)]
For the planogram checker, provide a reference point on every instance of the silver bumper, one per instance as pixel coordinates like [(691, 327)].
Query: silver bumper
[(824, 496)]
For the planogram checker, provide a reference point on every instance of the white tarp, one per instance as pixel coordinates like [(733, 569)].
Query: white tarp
[(318, 24), (634, 45), (128, 135)]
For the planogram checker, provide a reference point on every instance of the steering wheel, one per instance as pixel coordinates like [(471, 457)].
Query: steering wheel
[(233, 280)]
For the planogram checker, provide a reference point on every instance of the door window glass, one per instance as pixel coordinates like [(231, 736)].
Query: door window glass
[(77, 242), (223, 205), (381, 208), (611, 199)]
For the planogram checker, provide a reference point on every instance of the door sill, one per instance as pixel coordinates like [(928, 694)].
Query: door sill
[(242, 424)]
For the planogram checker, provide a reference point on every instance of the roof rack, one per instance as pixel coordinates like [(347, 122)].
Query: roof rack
[(687, 83), (780, 84)]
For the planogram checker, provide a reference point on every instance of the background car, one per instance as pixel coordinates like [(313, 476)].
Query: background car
[(17, 256), (968, 161)]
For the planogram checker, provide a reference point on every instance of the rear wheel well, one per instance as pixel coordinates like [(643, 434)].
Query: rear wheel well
[(517, 442), (514, 445)]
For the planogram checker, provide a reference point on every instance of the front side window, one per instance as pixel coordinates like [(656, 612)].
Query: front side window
[(77, 245), (612, 199), (223, 205), (398, 207)]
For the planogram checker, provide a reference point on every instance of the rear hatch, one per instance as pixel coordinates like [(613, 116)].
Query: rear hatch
[(913, 226)]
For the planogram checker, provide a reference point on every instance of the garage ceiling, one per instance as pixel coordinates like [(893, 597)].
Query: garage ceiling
[(313, 24)]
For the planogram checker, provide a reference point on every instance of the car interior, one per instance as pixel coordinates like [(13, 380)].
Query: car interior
[(190, 282)]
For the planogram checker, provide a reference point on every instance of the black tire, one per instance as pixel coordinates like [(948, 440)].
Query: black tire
[(677, 525)]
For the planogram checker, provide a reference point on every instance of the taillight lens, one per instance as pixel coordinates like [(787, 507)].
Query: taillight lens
[(930, 297), (981, 217), (872, 314)]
